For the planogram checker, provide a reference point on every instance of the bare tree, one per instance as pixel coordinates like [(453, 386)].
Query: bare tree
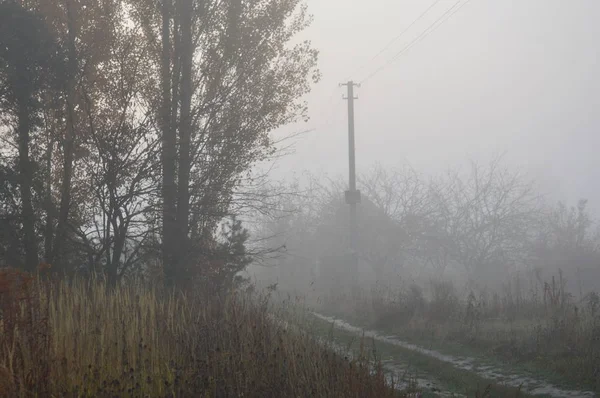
[(121, 165), (568, 239), (484, 219), (402, 199)]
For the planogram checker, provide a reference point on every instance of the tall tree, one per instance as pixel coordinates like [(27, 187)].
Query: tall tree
[(185, 13), (229, 76), (26, 55), (169, 101), (202, 83), (120, 164), (69, 138), (86, 32)]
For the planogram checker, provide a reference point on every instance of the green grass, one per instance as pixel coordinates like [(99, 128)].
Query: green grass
[(483, 351), (550, 335), (487, 350), (452, 379)]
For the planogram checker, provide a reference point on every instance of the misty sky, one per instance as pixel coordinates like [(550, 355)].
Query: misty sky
[(514, 76)]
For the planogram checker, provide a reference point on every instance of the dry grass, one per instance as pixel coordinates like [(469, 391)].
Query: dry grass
[(80, 340)]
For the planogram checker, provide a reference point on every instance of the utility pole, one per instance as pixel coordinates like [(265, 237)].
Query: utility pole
[(352, 195)]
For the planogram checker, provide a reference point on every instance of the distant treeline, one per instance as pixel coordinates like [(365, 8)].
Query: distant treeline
[(481, 224)]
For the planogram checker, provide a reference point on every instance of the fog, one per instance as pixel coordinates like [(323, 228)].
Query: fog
[(513, 77), (509, 86), (175, 199)]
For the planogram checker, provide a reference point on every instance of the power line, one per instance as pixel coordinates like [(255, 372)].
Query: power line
[(435, 27), (328, 106), (395, 39), (432, 28), (417, 39)]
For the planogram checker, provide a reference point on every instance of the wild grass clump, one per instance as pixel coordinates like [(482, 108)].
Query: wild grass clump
[(81, 339)]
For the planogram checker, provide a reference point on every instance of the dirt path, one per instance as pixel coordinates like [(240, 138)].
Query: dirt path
[(528, 384), (392, 367)]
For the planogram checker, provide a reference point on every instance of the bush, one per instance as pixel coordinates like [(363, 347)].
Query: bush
[(444, 305)]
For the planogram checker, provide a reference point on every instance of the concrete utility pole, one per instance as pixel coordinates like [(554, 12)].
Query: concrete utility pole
[(352, 195)]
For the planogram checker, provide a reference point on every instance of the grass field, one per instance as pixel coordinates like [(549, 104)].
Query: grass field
[(545, 332), (80, 340), (420, 372)]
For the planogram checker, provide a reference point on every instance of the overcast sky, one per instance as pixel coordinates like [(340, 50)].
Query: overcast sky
[(514, 76)]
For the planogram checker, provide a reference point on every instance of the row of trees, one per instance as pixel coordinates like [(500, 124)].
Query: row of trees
[(483, 222), (129, 129)]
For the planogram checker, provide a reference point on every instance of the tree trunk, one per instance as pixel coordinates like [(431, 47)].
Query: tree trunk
[(169, 153), (26, 179), (69, 147), (48, 206), (183, 200), (118, 226)]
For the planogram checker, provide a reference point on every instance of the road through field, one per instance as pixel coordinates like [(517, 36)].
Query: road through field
[(529, 384), (398, 372)]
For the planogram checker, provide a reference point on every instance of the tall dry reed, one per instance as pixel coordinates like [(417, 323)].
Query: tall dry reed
[(81, 339)]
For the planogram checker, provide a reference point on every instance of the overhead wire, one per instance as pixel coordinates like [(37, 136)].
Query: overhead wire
[(456, 7), (396, 38), (326, 108), (432, 28), (412, 43)]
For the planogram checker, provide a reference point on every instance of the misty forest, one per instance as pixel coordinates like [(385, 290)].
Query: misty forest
[(196, 201)]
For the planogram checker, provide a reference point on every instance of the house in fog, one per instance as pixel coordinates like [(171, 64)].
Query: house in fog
[(379, 246)]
